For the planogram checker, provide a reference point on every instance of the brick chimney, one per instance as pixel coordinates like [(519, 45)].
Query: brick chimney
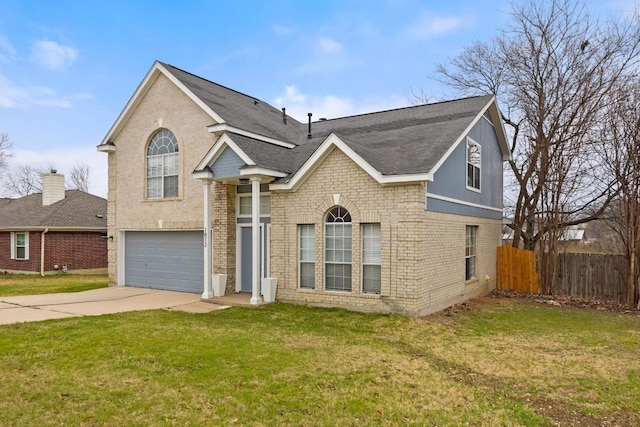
[(52, 188)]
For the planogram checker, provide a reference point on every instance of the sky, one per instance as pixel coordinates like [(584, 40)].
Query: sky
[(68, 68)]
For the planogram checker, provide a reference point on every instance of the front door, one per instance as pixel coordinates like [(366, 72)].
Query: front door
[(246, 256)]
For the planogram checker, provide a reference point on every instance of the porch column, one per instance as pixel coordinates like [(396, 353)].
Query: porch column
[(255, 241), (207, 241)]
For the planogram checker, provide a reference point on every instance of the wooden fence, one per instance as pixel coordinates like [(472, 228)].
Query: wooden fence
[(517, 270), (592, 276)]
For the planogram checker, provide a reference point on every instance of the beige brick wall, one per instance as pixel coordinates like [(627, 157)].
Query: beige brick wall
[(163, 106), (422, 252)]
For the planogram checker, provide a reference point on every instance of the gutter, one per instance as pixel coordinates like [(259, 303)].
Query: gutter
[(46, 230)]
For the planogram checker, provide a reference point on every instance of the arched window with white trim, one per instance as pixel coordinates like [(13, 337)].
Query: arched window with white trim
[(162, 165), (337, 252)]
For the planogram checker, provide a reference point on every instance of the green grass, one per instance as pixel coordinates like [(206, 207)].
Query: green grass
[(496, 363), (32, 284)]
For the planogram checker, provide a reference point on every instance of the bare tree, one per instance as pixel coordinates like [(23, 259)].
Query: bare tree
[(5, 150), (79, 177), (620, 137), (552, 69), (24, 180)]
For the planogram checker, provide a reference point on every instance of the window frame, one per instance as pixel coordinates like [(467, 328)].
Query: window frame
[(263, 197), (471, 253), (473, 172), (366, 258), (167, 161), (14, 245), (311, 252), (340, 221)]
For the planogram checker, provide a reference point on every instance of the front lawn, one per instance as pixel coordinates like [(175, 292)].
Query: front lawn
[(34, 284), (494, 362)]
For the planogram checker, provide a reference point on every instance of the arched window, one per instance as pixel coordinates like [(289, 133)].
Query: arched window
[(162, 166), (337, 252)]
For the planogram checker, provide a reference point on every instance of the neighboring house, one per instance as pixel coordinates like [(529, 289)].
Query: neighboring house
[(394, 211), (55, 230)]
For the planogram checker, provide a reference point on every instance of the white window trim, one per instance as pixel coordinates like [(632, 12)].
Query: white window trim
[(313, 226), (248, 195), (475, 254), (14, 242), (325, 262), (363, 264), (466, 165)]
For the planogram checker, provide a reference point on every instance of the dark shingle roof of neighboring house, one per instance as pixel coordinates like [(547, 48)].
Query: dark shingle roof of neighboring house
[(78, 210)]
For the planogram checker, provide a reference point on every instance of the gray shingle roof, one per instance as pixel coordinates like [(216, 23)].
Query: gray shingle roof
[(240, 110), (402, 141), (77, 210)]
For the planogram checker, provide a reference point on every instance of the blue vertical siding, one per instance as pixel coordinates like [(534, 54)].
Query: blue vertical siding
[(227, 165), (450, 179)]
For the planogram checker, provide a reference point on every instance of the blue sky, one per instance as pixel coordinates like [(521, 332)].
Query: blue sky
[(67, 68)]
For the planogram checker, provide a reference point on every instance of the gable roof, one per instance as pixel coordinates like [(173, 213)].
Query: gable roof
[(78, 210), (400, 145)]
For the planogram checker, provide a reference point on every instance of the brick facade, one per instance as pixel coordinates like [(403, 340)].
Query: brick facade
[(422, 252), (75, 250)]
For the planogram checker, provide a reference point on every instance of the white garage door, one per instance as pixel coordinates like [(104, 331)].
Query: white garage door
[(169, 260)]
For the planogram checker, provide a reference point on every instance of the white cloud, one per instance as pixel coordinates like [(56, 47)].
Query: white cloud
[(6, 49), (329, 47), (332, 106), (51, 55), (14, 96), (429, 25)]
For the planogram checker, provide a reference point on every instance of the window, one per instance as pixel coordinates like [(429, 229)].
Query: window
[(244, 205), (20, 246), (470, 252), (162, 166), (371, 282), (307, 245), (337, 252), (473, 164)]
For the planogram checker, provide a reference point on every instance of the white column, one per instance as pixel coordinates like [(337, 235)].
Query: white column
[(255, 241), (207, 241)]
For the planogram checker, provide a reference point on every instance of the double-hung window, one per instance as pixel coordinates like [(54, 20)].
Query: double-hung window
[(20, 246), (371, 282), (337, 250), (473, 165), (162, 166), (307, 256), (470, 252)]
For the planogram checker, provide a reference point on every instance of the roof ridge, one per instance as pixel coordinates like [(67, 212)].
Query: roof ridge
[(217, 84), (403, 108)]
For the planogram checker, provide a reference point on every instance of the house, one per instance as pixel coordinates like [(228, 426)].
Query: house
[(393, 211), (53, 231)]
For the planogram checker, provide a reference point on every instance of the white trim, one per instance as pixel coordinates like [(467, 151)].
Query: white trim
[(462, 202), (224, 127), (471, 141), (325, 149), (14, 247), (121, 257), (256, 170), (500, 135), (154, 72)]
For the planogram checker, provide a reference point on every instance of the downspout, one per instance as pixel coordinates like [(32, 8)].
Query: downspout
[(46, 230)]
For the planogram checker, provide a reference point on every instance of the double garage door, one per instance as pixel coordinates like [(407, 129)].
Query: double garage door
[(169, 260)]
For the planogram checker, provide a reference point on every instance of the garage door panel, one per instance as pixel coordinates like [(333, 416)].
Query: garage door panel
[(169, 260)]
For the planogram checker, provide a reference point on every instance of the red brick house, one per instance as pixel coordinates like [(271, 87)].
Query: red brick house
[(55, 230)]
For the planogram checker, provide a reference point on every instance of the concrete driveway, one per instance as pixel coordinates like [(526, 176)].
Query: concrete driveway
[(31, 308)]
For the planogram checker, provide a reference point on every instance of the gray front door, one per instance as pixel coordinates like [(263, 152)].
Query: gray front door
[(246, 258)]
